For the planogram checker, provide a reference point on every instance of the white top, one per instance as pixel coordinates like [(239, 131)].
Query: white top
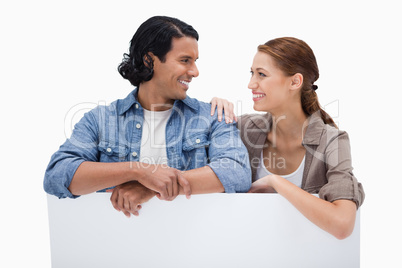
[(153, 141), (295, 177)]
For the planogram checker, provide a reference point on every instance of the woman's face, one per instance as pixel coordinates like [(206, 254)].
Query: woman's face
[(269, 85)]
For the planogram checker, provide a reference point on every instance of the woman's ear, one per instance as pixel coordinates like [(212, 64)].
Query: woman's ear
[(297, 81)]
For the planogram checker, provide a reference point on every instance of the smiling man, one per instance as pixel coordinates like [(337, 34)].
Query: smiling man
[(156, 141)]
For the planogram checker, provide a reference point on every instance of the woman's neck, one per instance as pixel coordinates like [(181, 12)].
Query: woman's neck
[(289, 124)]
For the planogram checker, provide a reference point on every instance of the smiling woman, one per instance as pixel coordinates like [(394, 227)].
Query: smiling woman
[(296, 149)]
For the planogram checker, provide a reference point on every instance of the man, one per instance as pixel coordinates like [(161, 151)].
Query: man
[(156, 141)]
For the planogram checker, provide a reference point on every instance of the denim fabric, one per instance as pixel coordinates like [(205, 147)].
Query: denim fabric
[(113, 133)]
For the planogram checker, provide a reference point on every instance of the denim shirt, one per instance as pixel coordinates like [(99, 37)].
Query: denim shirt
[(113, 133)]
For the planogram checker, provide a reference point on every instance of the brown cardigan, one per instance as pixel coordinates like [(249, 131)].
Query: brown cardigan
[(328, 163)]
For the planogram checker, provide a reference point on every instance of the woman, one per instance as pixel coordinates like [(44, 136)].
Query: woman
[(296, 149)]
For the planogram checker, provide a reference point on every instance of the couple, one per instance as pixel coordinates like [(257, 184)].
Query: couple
[(159, 142)]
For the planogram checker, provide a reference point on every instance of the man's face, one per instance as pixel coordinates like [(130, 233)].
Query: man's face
[(171, 78)]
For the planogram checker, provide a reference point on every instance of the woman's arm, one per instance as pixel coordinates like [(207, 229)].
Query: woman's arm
[(337, 218)]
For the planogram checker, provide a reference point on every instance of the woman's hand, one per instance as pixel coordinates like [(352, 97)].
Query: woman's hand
[(263, 185), (223, 105)]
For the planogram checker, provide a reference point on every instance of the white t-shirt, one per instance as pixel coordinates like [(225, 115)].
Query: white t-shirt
[(296, 177), (153, 141)]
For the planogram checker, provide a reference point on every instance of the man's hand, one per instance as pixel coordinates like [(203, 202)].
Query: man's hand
[(165, 181), (129, 196)]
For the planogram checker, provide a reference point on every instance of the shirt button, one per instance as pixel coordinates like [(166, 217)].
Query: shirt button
[(134, 154), (136, 106), (138, 126), (109, 150), (197, 141)]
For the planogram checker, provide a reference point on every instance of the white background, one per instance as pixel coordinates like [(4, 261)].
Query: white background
[(59, 58)]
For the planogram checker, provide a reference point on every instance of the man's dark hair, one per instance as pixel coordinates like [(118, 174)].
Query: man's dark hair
[(154, 35)]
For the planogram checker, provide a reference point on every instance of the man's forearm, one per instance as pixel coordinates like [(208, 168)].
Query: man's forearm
[(128, 197), (203, 181), (95, 176)]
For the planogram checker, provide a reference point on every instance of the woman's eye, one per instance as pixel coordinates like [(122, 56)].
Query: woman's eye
[(260, 74)]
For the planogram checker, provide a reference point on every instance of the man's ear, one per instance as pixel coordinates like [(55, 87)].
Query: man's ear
[(149, 60), (297, 81)]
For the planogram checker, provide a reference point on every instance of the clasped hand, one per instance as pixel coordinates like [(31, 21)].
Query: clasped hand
[(159, 180), (165, 181), (129, 196)]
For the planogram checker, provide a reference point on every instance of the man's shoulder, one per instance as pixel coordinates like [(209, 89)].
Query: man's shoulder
[(196, 104), (116, 107), (204, 106), (104, 108), (196, 109)]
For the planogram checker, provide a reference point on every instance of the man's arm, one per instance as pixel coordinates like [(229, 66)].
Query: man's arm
[(128, 197), (202, 181), (75, 168), (79, 148), (229, 159), (94, 176)]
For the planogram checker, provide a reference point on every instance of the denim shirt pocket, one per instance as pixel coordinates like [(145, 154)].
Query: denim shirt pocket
[(112, 152), (195, 150), (195, 141)]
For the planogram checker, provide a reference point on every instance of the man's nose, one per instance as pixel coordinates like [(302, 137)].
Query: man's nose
[(194, 71)]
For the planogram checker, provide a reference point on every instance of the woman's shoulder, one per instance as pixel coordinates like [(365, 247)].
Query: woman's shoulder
[(255, 120), (318, 132)]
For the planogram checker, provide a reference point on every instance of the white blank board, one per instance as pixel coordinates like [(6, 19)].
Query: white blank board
[(213, 230)]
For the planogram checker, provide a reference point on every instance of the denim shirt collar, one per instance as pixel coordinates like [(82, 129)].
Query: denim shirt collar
[(132, 99)]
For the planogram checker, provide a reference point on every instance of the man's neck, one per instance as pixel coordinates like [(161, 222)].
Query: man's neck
[(152, 101)]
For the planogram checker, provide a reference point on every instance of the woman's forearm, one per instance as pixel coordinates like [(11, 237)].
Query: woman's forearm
[(337, 218)]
